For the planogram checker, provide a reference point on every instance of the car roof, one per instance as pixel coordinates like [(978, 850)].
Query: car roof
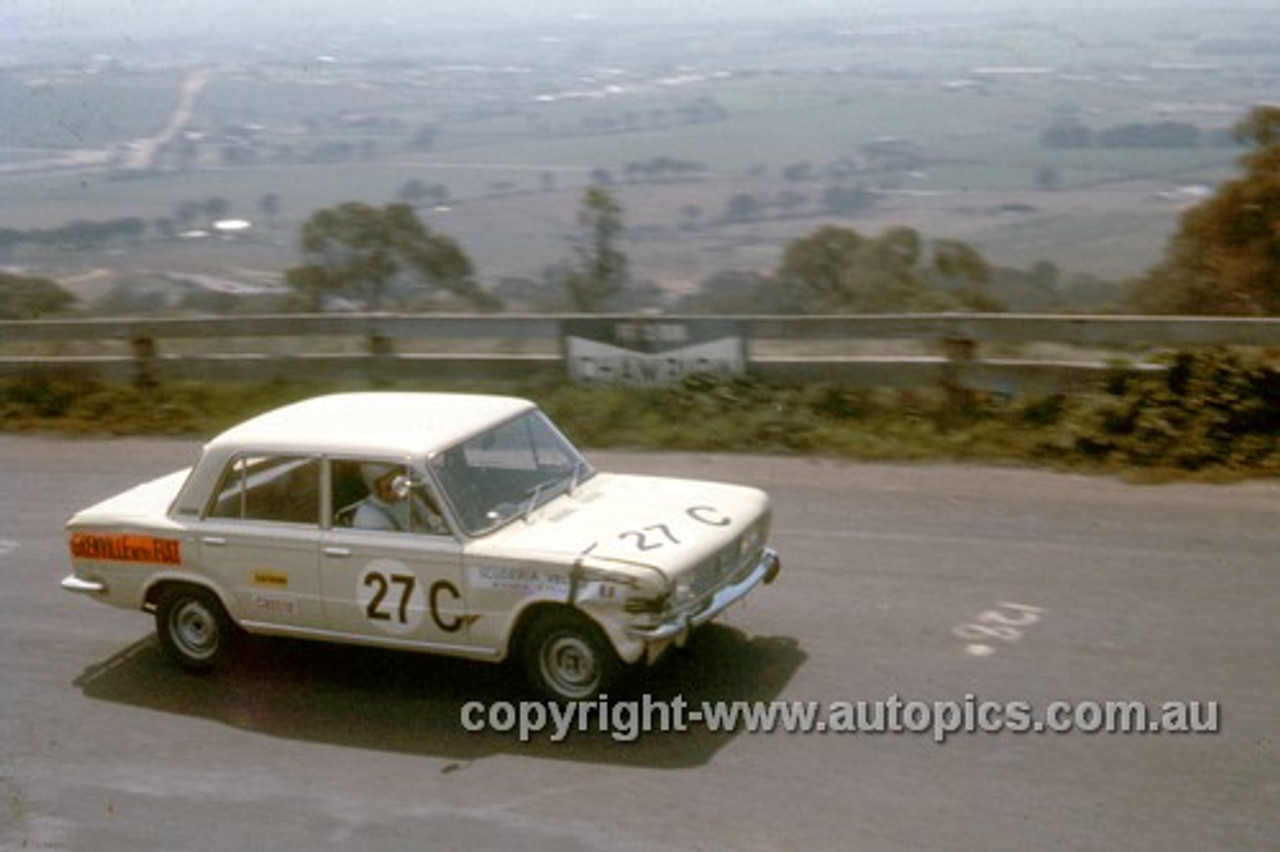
[(400, 424)]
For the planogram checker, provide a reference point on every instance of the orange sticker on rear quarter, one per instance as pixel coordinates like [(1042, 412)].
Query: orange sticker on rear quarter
[(121, 547)]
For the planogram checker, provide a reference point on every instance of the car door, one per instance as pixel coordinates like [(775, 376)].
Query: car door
[(400, 586), (259, 538)]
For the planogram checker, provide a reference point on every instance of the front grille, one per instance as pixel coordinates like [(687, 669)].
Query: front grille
[(707, 575), (727, 563)]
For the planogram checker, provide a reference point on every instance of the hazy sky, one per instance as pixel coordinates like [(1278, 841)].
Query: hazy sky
[(30, 19)]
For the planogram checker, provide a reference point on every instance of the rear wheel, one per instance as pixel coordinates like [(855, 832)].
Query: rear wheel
[(194, 630), (566, 657)]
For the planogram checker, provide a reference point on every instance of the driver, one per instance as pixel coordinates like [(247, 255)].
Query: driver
[(389, 508), (383, 509)]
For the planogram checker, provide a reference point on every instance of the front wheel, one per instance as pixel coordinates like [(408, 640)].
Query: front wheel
[(194, 630), (566, 657)]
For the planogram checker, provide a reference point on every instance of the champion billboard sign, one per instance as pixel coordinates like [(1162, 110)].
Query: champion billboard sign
[(651, 350)]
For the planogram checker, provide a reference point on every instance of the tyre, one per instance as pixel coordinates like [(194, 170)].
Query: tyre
[(566, 657), (194, 630)]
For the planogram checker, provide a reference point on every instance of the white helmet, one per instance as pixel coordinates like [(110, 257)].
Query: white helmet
[(371, 472)]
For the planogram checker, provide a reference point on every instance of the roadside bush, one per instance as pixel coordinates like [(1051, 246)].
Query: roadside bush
[(1212, 408), (42, 397), (1216, 411)]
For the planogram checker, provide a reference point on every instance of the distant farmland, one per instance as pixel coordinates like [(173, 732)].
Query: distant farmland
[(949, 152)]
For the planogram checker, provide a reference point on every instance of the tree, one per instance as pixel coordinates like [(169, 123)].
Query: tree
[(816, 267), (742, 207), (845, 201), (1166, 134), (215, 207), (734, 292), (424, 138), (795, 172), (238, 155), (1048, 177), (963, 269), (165, 227), (362, 252), (791, 199), (838, 268), (601, 269), (25, 297), (269, 204), (1225, 255), (692, 213), (412, 191), (1067, 133)]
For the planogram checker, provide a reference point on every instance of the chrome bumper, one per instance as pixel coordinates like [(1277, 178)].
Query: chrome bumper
[(72, 583), (765, 571)]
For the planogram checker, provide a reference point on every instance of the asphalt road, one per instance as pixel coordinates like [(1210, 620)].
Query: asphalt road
[(928, 583)]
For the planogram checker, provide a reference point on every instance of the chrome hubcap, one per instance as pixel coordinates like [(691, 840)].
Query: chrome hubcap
[(195, 630), (569, 663)]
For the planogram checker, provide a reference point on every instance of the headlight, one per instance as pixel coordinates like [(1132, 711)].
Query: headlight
[(753, 540), (684, 590)]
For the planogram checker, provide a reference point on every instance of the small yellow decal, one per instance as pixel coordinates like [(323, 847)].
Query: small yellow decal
[(270, 578)]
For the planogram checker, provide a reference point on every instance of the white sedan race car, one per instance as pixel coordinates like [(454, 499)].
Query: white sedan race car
[(455, 524)]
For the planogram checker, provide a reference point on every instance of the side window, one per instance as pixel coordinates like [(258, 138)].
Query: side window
[(382, 496), (348, 491), (280, 489)]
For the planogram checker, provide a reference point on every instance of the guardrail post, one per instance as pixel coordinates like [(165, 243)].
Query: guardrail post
[(145, 351), (959, 352), (381, 352)]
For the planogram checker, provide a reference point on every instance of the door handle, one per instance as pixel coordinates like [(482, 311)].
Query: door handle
[(338, 552), (215, 540)]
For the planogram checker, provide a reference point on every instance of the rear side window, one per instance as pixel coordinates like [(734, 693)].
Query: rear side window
[(279, 489)]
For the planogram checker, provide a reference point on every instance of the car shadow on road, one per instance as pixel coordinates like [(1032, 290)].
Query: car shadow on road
[(412, 703)]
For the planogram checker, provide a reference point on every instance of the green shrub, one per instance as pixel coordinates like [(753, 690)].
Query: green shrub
[(1211, 408), (1216, 410), (42, 397)]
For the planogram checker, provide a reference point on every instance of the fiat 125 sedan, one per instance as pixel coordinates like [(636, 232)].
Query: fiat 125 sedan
[(455, 524)]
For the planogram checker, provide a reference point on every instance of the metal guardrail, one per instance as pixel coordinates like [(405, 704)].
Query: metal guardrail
[(954, 342)]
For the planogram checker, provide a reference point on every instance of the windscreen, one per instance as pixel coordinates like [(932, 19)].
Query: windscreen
[(508, 472)]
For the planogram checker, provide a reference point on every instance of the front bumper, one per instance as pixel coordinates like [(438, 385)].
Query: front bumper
[(765, 571), (72, 583)]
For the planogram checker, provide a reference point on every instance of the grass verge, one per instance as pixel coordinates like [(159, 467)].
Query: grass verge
[(1174, 425)]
